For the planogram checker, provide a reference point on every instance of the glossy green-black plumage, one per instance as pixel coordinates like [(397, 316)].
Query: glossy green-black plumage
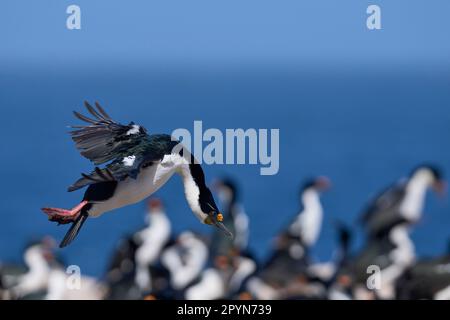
[(105, 140)]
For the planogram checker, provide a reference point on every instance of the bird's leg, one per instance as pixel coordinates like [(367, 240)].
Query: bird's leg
[(63, 216)]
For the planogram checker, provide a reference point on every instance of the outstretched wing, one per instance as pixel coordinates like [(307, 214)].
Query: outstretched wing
[(129, 163), (128, 147), (103, 139), (117, 170)]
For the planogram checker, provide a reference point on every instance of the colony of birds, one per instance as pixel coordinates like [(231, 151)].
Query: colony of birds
[(154, 263)]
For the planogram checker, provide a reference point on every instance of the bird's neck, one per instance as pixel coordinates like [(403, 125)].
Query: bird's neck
[(158, 225), (311, 217), (419, 183), (311, 202), (35, 261), (194, 185), (415, 196)]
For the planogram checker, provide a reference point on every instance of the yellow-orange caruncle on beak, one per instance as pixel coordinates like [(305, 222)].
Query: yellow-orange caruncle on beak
[(219, 217)]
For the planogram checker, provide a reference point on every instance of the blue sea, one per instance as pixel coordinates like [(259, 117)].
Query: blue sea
[(363, 129)]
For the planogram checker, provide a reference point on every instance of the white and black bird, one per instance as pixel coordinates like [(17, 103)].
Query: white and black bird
[(308, 222), (138, 164), (40, 262), (403, 201), (291, 254), (185, 260), (391, 252), (426, 279), (152, 239)]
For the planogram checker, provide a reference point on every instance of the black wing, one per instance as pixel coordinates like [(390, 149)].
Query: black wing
[(119, 169), (128, 146), (104, 139), (385, 208)]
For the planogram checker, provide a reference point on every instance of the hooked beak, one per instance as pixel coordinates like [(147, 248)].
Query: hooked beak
[(216, 220), (440, 187), (224, 229)]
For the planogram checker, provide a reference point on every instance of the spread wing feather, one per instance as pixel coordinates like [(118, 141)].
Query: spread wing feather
[(128, 147), (104, 139)]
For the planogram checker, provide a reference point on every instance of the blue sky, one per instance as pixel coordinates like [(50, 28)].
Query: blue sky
[(219, 32)]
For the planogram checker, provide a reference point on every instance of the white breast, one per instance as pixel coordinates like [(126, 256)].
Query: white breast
[(309, 221), (131, 190), (412, 205)]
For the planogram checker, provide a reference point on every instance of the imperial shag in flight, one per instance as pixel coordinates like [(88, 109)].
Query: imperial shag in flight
[(138, 165)]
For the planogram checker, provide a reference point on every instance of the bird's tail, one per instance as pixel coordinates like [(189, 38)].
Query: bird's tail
[(74, 229)]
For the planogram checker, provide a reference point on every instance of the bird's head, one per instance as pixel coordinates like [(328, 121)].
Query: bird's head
[(210, 214), (318, 184), (48, 245), (432, 176), (155, 205), (43, 248), (200, 198)]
